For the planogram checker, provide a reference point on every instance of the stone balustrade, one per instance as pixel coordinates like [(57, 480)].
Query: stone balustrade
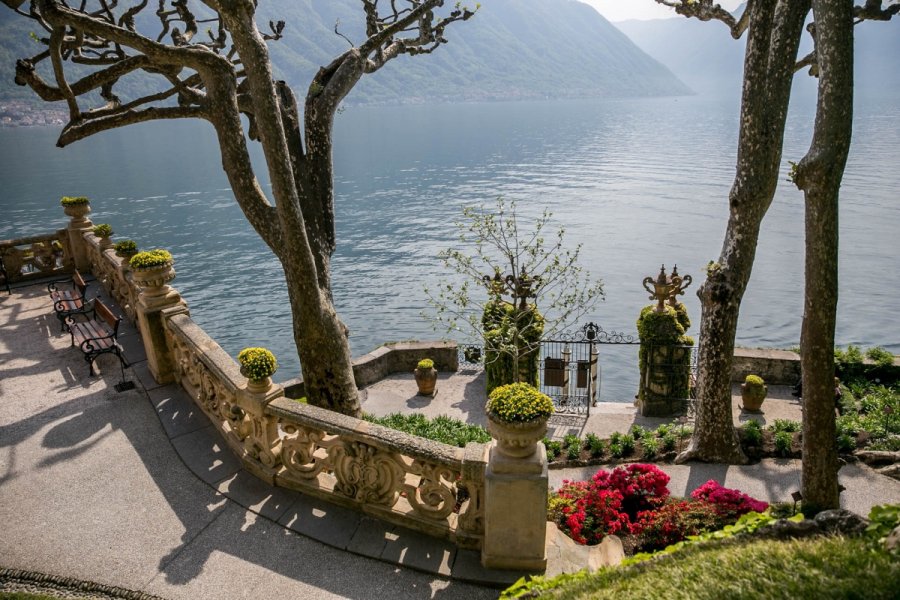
[(37, 256), (113, 273), (399, 478)]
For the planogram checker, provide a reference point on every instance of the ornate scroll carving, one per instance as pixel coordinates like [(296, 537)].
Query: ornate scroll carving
[(36, 256)]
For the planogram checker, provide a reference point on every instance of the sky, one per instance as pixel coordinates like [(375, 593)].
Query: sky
[(622, 10)]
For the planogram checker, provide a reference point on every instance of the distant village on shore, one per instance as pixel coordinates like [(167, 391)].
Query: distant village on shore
[(16, 113)]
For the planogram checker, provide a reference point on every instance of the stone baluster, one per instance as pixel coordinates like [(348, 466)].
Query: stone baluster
[(262, 444)]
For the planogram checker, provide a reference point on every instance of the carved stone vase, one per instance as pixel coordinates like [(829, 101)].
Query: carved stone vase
[(154, 281), (426, 379), (517, 439), (78, 212), (257, 386), (105, 243)]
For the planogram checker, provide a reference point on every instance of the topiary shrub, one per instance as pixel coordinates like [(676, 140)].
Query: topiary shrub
[(425, 364), (665, 348), (125, 247), (74, 200)]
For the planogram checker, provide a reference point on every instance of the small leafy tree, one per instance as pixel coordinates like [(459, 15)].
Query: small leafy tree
[(518, 271)]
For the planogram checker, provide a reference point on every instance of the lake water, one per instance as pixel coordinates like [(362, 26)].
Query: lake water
[(637, 182)]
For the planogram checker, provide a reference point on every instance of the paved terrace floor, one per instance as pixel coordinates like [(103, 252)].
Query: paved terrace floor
[(136, 490)]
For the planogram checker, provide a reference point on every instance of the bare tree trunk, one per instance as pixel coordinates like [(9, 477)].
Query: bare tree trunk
[(819, 175), (775, 27)]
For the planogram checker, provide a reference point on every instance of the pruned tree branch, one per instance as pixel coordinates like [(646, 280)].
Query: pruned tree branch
[(707, 10)]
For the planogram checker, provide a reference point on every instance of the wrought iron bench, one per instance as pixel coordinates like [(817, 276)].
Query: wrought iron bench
[(97, 335), (67, 302)]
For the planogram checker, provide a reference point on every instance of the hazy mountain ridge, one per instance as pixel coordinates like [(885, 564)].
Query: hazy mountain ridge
[(511, 49), (706, 58)]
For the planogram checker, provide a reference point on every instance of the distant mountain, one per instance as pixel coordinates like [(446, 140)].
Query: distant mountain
[(510, 49), (706, 58)]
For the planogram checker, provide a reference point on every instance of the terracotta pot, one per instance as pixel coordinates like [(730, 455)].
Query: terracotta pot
[(752, 397), (426, 380), (519, 439)]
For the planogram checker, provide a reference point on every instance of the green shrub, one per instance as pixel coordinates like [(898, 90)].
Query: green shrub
[(752, 433), (74, 200), (650, 445), (125, 247), (785, 425), (103, 230), (669, 441), (518, 403), (663, 430), (615, 437), (627, 442), (594, 444), (846, 443), (553, 449), (616, 450), (686, 431), (783, 442), (878, 414), (573, 452), (257, 363), (570, 441), (426, 364), (880, 356), (637, 432), (883, 519), (150, 259), (444, 429)]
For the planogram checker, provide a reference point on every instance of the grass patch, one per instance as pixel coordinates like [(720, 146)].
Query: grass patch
[(821, 568), (440, 429)]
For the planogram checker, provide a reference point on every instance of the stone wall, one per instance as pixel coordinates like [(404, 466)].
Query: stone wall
[(776, 367)]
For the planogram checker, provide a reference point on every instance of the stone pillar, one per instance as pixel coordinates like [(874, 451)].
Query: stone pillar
[(261, 451), (77, 227), (515, 514), (156, 302)]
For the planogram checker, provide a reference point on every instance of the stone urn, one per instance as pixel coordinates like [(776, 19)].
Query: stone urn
[(257, 365), (154, 280), (517, 439), (78, 212), (257, 386), (426, 377), (753, 392)]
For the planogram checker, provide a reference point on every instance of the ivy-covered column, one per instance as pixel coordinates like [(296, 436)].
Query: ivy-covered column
[(665, 353)]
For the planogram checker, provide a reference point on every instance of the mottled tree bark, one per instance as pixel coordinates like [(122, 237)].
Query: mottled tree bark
[(775, 27), (819, 175)]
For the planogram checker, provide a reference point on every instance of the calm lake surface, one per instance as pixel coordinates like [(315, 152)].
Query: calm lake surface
[(637, 182)]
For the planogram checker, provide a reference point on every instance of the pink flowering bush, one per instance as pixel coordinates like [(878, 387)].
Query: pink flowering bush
[(634, 500), (728, 502), (608, 503), (642, 486), (674, 521)]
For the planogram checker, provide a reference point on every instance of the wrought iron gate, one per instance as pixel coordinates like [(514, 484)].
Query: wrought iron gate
[(570, 367)]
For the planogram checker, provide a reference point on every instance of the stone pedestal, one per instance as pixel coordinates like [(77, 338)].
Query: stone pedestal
[(262, 446), (152, 310), (515, 515), (76, 229)]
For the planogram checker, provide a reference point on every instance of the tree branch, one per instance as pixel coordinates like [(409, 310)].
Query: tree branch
[(85, 127), (706, 10)]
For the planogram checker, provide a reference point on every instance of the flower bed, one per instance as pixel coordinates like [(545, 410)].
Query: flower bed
[(633, 502)]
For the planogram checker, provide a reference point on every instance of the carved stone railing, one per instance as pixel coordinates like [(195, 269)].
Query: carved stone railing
[(113, 274), (397, 477), (400, 478), (37, 256)]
